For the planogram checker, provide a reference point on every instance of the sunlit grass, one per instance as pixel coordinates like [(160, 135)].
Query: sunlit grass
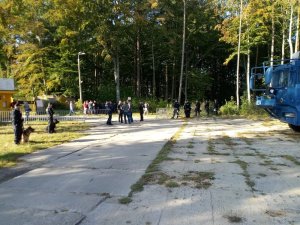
[(40, 139)]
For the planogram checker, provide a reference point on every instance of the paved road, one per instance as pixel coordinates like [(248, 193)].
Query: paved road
[(218, 172), (73, 179)]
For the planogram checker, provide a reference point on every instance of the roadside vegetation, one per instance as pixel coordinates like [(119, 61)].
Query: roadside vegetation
[(39, 139)]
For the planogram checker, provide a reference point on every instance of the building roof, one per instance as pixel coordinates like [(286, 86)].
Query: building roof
[(7, 84)]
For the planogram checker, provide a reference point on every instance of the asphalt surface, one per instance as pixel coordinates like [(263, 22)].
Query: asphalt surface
[(218, 171)]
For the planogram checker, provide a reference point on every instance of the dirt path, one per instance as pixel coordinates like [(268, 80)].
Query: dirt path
[(218, 172)]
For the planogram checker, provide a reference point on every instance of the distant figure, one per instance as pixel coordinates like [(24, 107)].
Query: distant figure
[(206, 106), (120, 111), (176, 108), (27, 111), (216, 107), (197, 109), (130, 119), (17, 123), (141, 109), (146, 110), (51, 123), (71, 108), (187, 109), (125, 111), (109, 108)]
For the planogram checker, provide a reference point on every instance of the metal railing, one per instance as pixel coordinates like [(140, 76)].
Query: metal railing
[(61, 115)]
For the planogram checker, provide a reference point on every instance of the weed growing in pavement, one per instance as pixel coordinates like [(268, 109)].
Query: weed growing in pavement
[(191, 153), (234, 218), (200, 180), (228, 141), (262, 175), (125, 200), (211, 149), (244, 166), (172, 184), (190, 145), (152, 172), (291, 158)]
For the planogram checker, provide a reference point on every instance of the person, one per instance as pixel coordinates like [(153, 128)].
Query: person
[(146, 106), (109, 108), (141, 109), (125, 111), (187, 109), (50, 113), (71, 108), (27, 111), (130, 119), (120, 111), (206, 106), (85, 107), (176, 108), (197, 109), (17, 123), (216, 107)]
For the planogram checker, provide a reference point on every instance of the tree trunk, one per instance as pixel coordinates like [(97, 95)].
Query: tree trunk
[(182, 51), (117, 76), (290, 32), (173, 80), (186, 81), (153, 72), (248, 74), (238, 59), (138, 65), (297, 30), (167, 82), (273, 37)]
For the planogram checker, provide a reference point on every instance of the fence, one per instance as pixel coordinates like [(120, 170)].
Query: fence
[(61, 115)]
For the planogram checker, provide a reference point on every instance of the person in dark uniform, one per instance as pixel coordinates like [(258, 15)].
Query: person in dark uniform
[(197, 109), (17, 123), (176, 108), (109, 107), (141, 109), (206, 106), (187, 109), (50, 112)]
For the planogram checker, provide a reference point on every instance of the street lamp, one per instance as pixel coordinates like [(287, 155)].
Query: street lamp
[(79, 76)]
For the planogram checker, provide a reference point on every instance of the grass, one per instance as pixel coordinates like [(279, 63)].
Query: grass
[(153, 173), (10, 153)]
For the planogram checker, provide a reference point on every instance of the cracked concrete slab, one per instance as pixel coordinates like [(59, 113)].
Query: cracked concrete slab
[(252, 169)]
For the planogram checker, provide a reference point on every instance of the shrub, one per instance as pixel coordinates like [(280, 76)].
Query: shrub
[(230, 108)]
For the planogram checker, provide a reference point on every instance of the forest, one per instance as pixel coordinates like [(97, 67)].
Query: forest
[(146, 49)]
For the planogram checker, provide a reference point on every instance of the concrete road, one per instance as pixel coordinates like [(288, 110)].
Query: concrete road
[(217, 172)]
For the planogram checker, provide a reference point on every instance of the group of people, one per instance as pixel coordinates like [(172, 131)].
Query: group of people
[(124, 109), (188, 108)]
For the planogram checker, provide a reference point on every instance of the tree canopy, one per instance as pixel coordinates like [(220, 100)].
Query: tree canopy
[(134, 48)]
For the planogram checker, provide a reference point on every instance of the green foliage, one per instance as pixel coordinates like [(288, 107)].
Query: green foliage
[(250, 109), (247, 109), (230, 108)]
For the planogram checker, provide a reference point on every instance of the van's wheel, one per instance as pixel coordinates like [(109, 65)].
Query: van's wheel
[(294, 127)]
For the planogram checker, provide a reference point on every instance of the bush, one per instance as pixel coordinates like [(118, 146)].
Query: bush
[(230, 108)]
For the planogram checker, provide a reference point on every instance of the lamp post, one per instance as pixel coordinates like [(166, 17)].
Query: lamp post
[(79, 76)]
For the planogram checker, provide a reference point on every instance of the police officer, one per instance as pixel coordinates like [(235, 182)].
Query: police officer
[(141, 109), (109, 108), (50, 113), (187, 109), (17, 123), (176, 108)]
